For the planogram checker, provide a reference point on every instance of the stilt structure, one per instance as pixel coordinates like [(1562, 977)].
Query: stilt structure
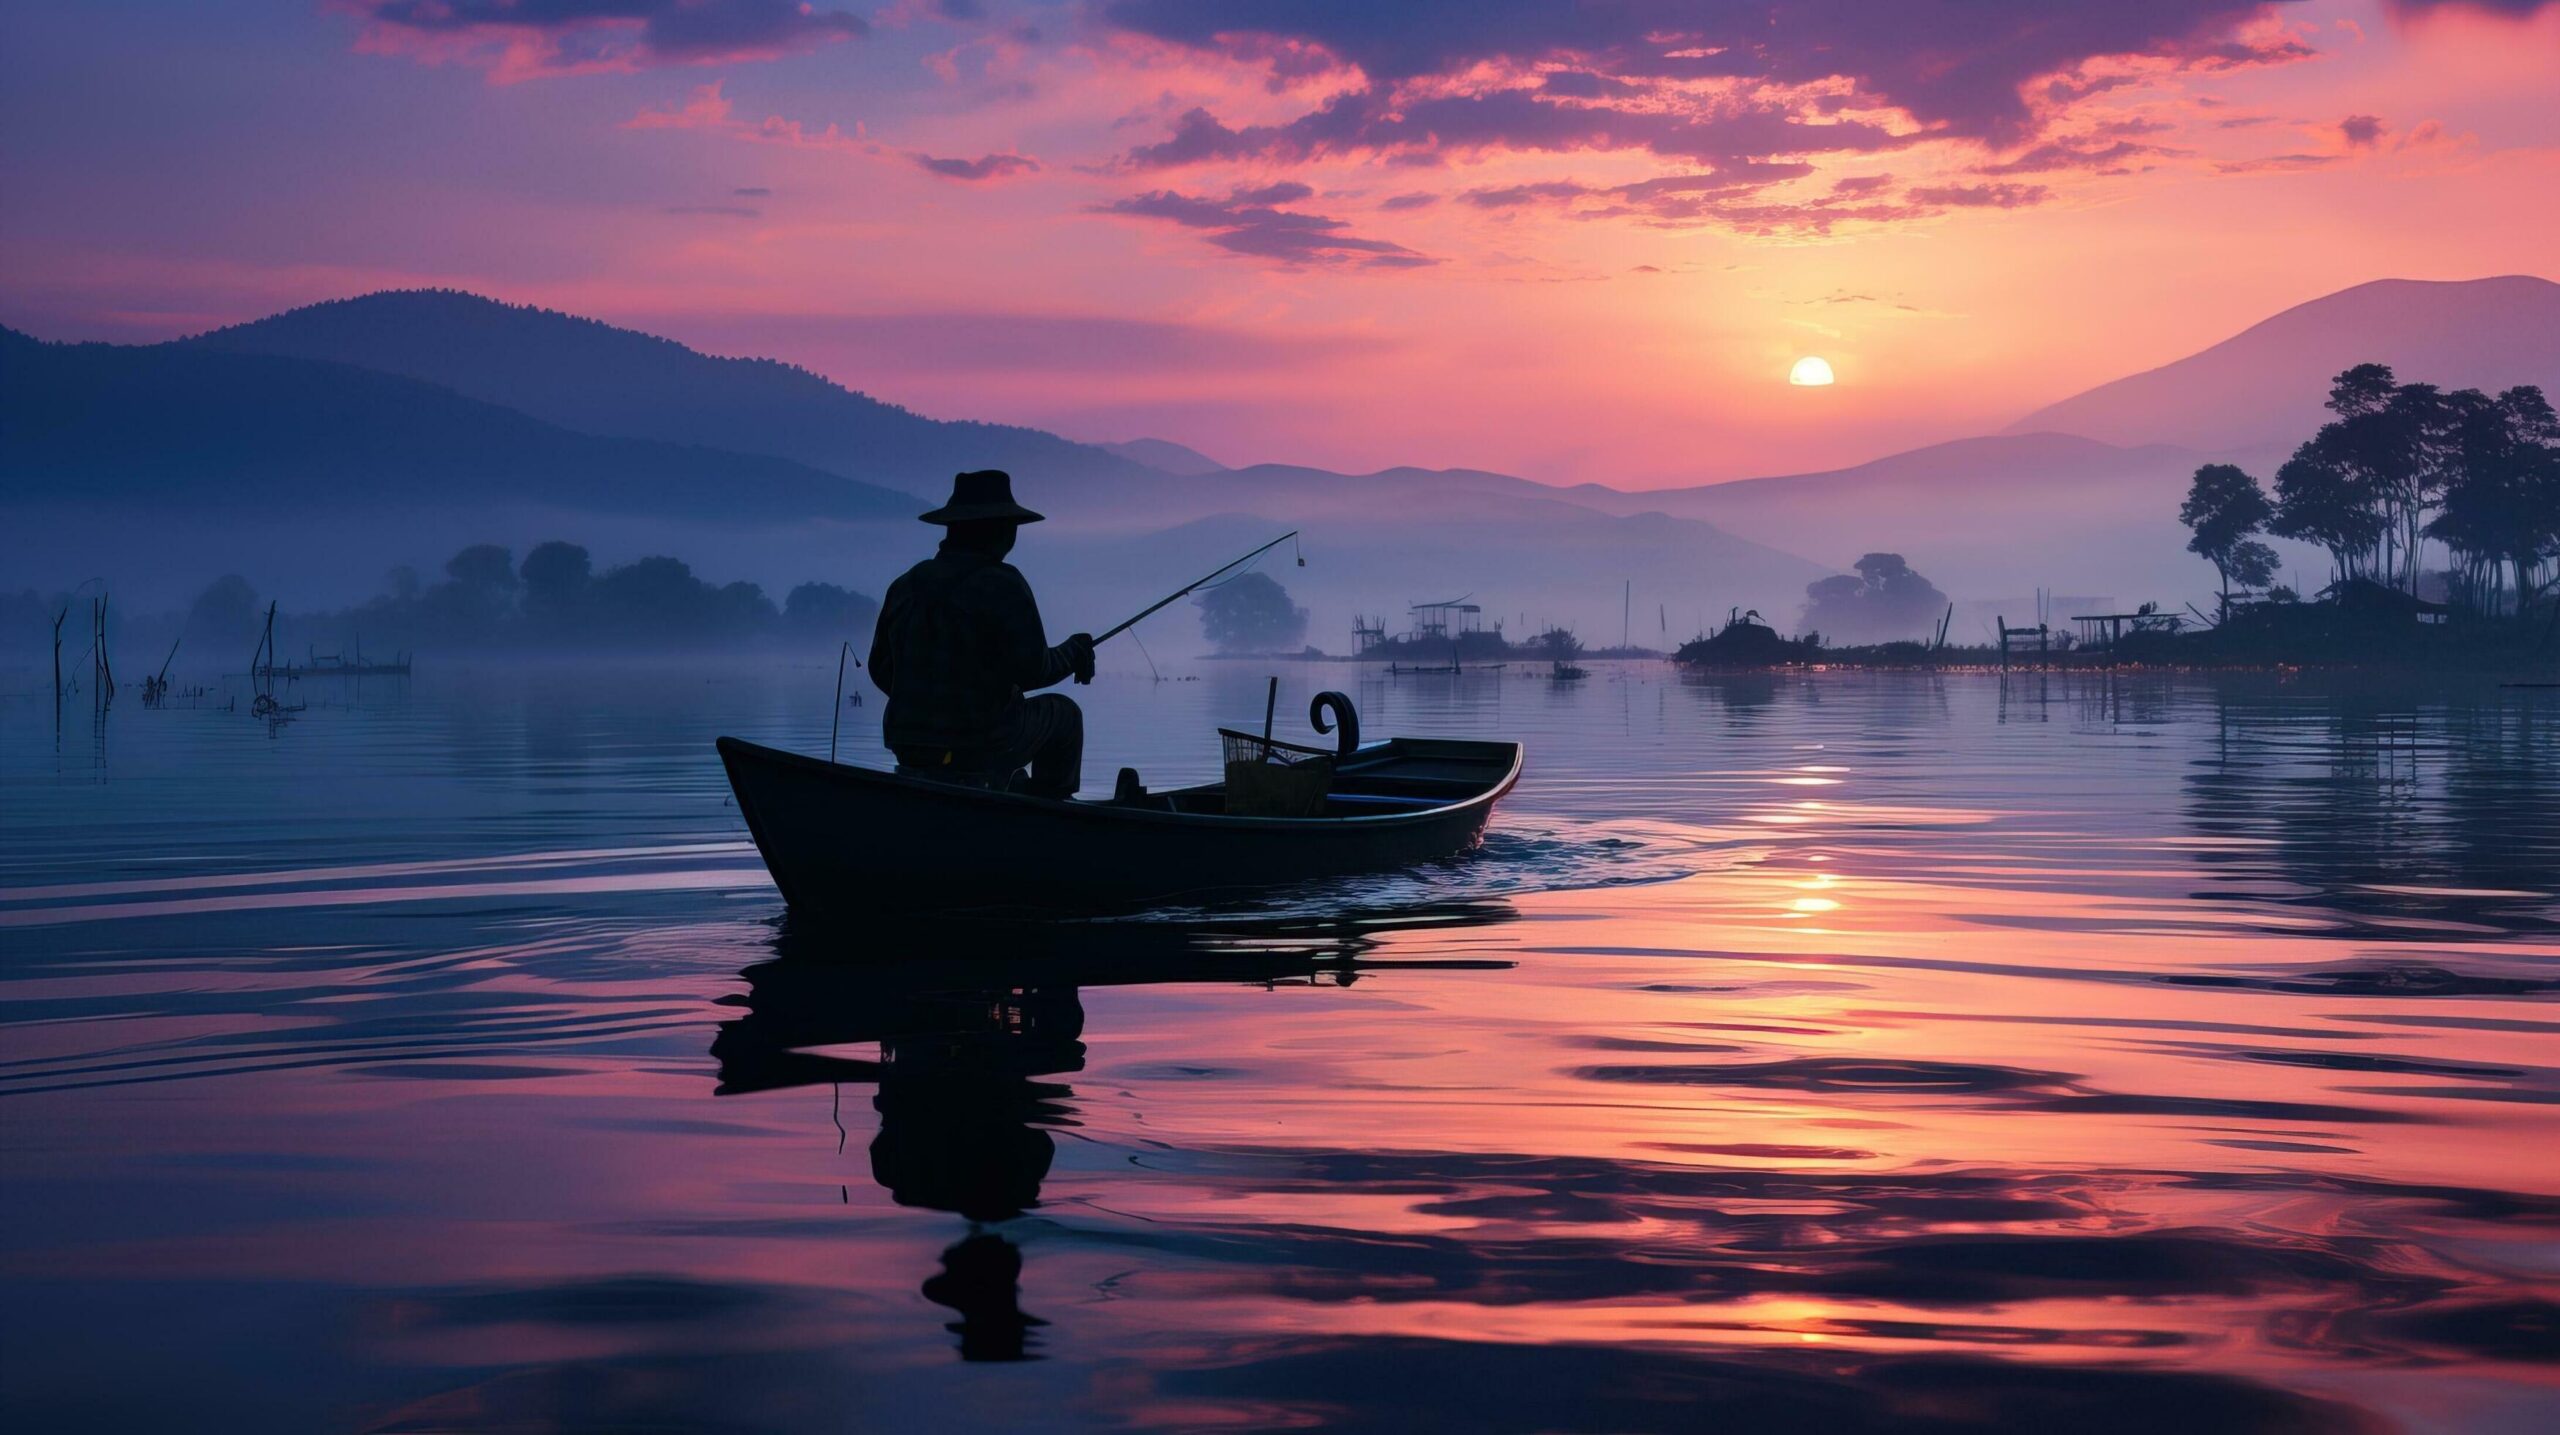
[(2040, 632)]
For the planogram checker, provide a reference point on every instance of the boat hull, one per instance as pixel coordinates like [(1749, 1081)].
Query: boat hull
[(849, 843)]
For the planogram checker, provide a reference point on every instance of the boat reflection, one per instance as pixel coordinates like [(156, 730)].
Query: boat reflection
[(969, 1019)]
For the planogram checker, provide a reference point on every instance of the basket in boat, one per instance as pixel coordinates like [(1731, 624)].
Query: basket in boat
[(1270, 778)]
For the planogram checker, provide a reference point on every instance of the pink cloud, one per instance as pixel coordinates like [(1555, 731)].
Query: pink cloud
[(2503, 9), (1733, 89), (2276, 163), (2054, 155), (1982, 196), (707, 109), (1248, 222), (985, 167), (1956, 66), (516, 40)]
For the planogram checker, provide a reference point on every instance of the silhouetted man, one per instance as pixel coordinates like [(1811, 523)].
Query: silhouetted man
[(958, 644)]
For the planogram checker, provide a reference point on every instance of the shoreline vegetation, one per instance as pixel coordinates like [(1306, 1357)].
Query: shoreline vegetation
[(2400, 466), (556, 601)]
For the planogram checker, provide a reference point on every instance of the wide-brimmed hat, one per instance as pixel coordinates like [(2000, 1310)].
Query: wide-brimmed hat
[(983, 496)]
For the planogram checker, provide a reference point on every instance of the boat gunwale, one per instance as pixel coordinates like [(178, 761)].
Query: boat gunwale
[(1112, 812)]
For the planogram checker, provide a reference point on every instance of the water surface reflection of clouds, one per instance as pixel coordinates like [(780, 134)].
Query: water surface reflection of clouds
[(2123, 1054)]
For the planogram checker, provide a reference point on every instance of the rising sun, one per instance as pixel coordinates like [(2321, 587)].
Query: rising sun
[(1810, 372)]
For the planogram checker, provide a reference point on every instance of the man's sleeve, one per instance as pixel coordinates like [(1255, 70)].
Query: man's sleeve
[(1015, 618)]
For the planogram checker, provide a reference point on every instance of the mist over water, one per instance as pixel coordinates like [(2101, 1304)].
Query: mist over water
[(1840, 1051)]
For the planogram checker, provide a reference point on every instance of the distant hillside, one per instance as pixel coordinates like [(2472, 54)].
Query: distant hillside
[(163, 465), (595, 378), (1983, 516), (1165, 456), (164, 427), (442, 417), (2263, 387)]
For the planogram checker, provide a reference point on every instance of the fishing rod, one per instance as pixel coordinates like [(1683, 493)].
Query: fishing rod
[(1182, 592)]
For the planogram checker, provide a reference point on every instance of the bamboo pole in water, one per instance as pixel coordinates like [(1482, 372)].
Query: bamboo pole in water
[(844, 650)]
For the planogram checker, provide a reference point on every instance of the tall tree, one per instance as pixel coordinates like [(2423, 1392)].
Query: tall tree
[(2362, 486), (2502, 499), (2419, 458), (556, 578), (825, 609), (1886, 600), (2224, 508), (2362, 390), (2323, 497), (225, 613), (2252, 565), (1251, 614)]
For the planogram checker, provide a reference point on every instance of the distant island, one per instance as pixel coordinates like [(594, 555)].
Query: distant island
[(2400, 471)]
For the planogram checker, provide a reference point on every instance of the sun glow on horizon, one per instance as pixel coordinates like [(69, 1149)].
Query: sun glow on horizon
[(1810, 373)]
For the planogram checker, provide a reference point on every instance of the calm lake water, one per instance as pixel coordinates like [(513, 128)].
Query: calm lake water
[(1838, 1052)]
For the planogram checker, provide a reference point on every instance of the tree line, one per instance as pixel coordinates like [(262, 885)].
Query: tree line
[(555, 598), (558, 597), (2401, 465)]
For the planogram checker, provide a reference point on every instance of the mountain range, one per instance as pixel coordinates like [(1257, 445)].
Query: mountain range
[(595, 378), (2261, 389), (317, 446)]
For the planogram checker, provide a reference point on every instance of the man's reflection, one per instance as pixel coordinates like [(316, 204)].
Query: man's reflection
[(965, 1122), (964, 1127)]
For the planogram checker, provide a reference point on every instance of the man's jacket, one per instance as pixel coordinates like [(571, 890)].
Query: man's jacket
[(958, 643)]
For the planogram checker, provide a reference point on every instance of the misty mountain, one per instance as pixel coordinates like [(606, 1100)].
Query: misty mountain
[(1982, 516), (595, 378), (2084, 494), (164, 465), (1165, 456), (162, 428), (394, 427), (2262, 388)]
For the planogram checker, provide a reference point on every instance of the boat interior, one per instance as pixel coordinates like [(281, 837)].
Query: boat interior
[(1400, 775)]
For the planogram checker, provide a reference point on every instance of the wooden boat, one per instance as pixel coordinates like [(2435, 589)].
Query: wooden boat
[(856, 843)]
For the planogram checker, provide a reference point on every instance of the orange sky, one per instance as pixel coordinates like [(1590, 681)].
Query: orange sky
[(1311, 233)]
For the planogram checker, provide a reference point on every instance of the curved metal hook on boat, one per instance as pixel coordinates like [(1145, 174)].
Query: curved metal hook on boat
[(1343, 715)]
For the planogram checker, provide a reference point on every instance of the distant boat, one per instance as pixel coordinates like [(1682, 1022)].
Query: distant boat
[(334, 665), (856, 843)]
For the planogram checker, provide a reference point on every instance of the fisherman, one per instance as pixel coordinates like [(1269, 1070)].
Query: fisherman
[(959, 643)]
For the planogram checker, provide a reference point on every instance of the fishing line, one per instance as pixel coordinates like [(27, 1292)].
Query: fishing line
[(1142, 652)]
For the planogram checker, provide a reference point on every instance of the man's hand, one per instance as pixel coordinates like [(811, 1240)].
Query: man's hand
[(1080, 653)]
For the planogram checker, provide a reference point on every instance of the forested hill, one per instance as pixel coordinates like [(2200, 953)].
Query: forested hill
[(593, 377), (159, 427)]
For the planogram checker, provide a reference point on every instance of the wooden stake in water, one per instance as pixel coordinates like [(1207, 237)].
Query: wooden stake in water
[(844, 650), (1270, 705)]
